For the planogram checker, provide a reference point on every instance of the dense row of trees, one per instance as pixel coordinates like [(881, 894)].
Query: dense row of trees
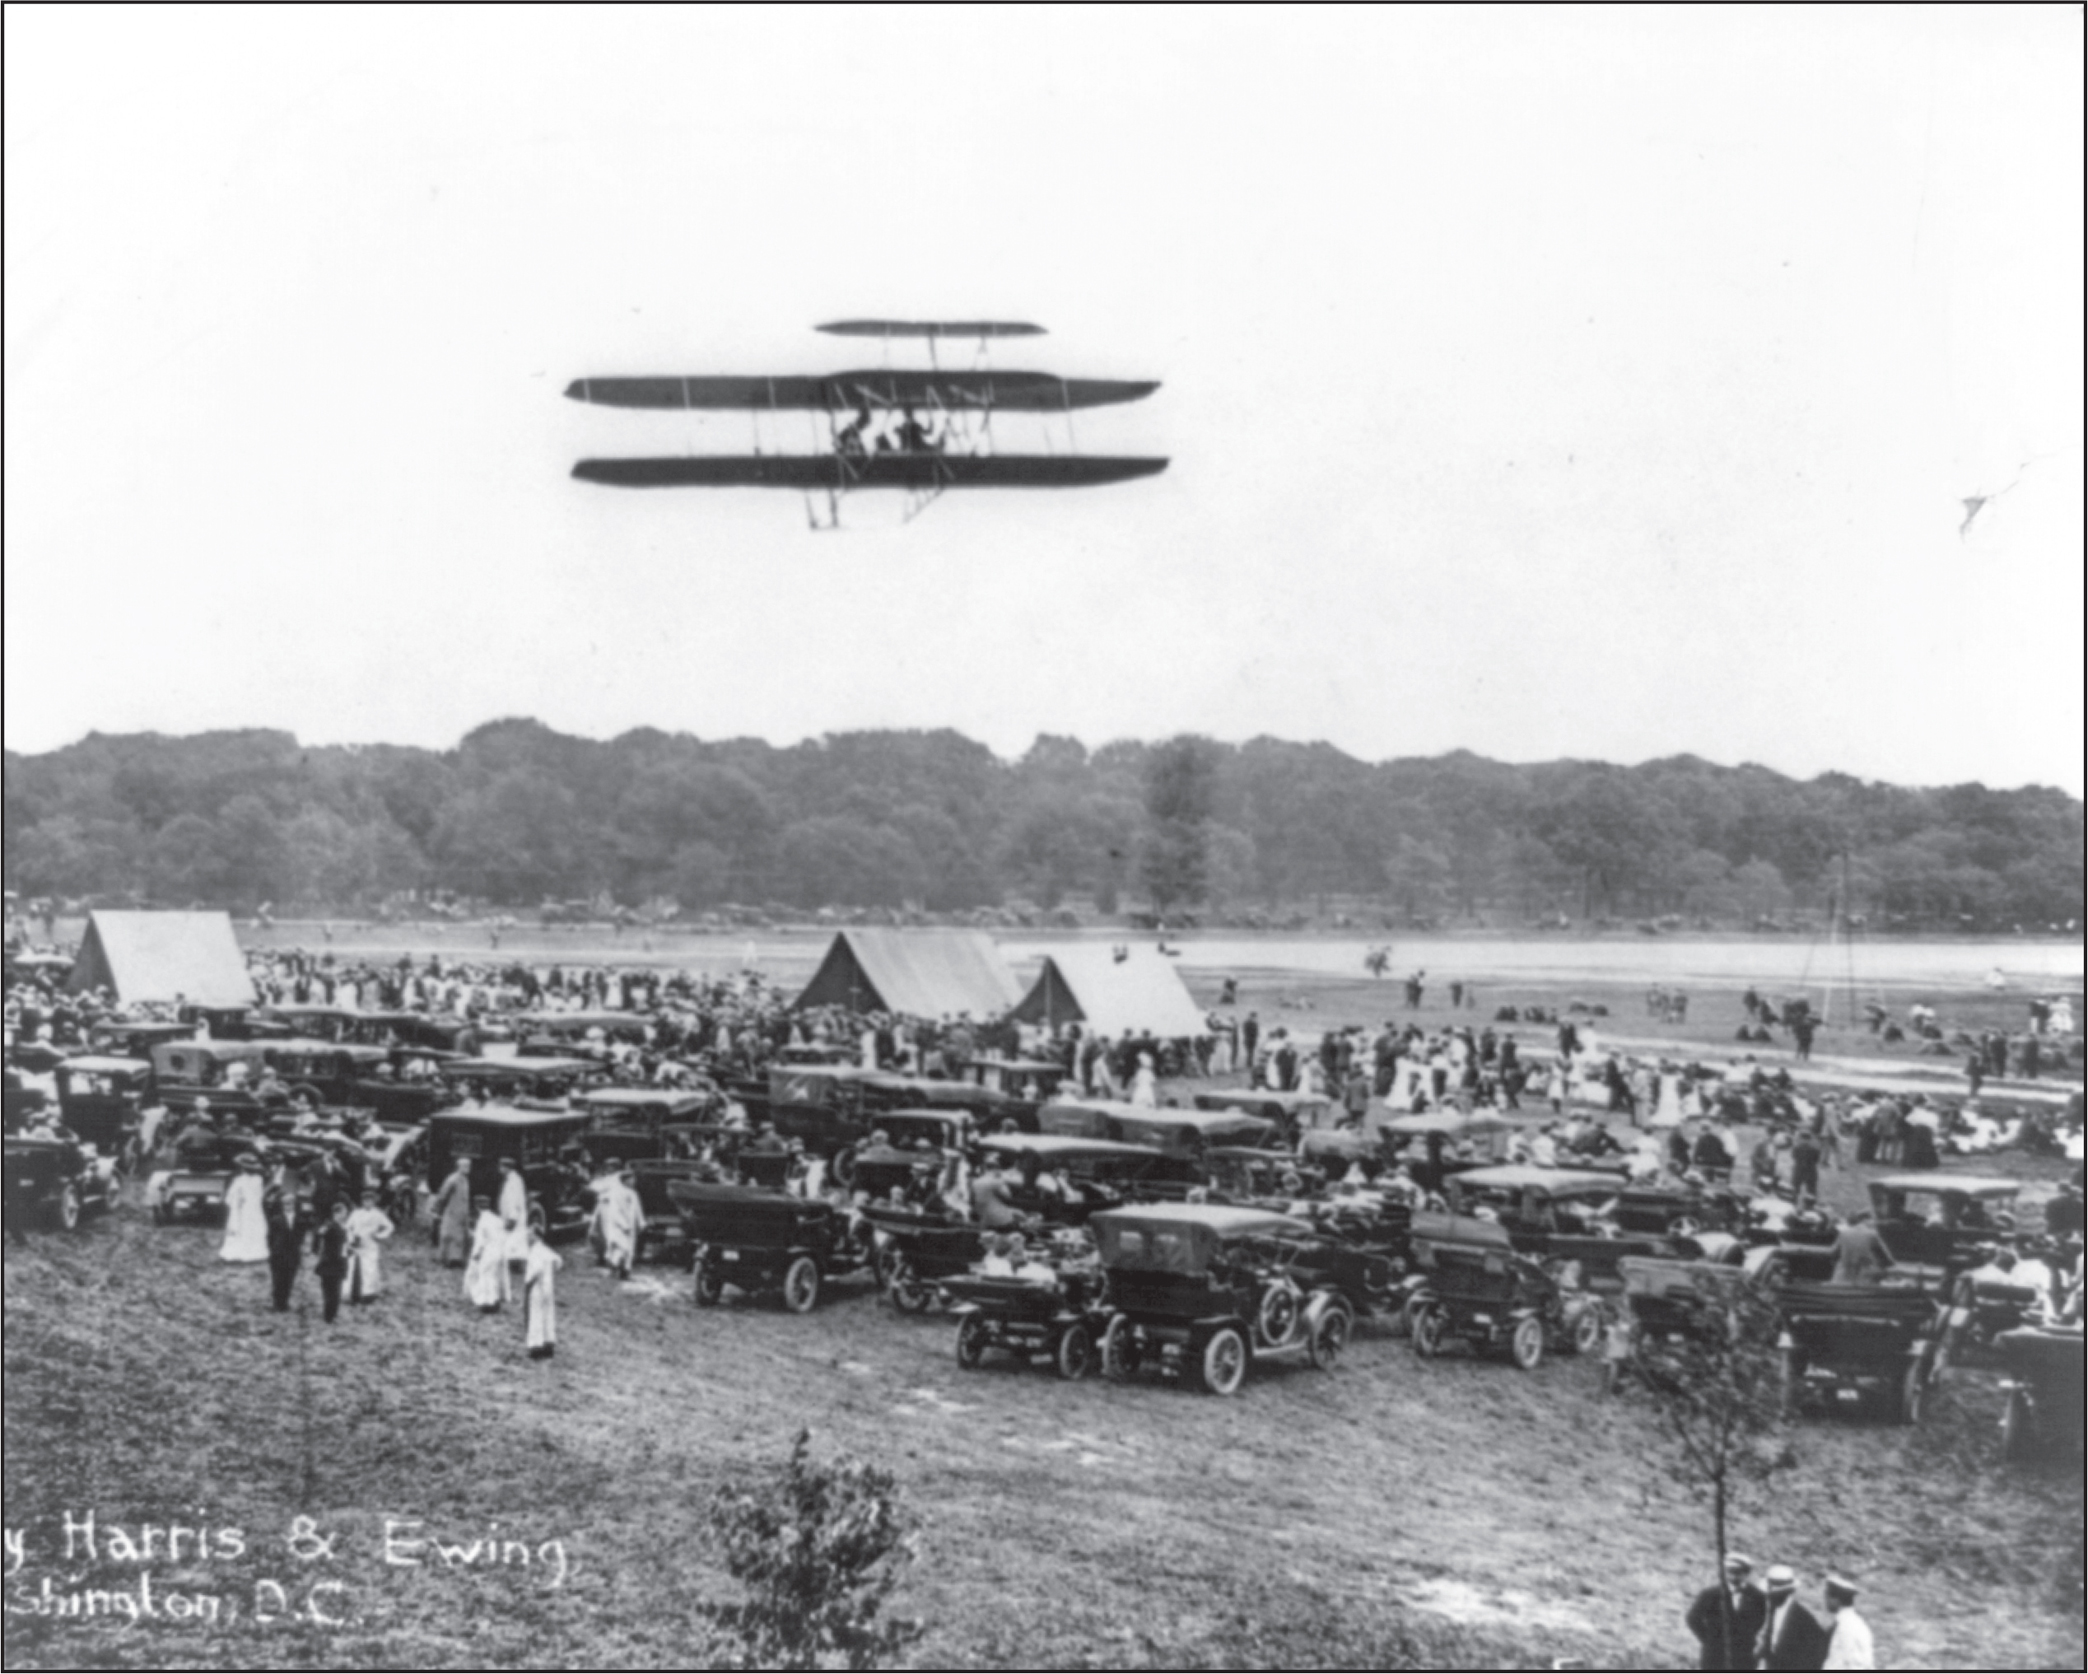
[(518, 813)]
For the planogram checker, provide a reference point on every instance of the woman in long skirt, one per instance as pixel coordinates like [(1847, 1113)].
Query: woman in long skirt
[(540, 1296), (486, 1273), (368, 1229), (246, 1223)]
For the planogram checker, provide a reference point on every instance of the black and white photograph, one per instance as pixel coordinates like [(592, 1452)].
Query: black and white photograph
[(1043, 837)]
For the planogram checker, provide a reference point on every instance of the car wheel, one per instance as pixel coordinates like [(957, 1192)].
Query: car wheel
[(801, 1285), (843, 1167), (1428, 1331), (972, 1337), (1913, 1395), (1278, 1317), (1075, 1353), (1119, 1349), (909, 1294), (1587, 1331), (1224, 1360), (1526, 1346), (1330, 1336), (539, 1218), (65, 1210), (2018, 1438), (710, 1285), (1410, 1311)]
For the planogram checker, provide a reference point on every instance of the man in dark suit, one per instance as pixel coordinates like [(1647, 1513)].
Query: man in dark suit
[(284, 1212), (1727, 1620), (1791, 1637)]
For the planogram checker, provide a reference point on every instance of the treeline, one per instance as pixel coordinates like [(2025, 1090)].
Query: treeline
[(518, 815)]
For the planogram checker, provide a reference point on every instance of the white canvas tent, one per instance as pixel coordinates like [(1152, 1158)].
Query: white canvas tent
[(1139, 993), (163, 956), (914, 973)]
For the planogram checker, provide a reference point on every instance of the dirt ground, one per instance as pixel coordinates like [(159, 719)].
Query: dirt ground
[(1389, 1513)]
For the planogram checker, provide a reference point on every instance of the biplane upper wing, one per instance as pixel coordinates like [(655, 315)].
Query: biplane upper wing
[(1021, 392)]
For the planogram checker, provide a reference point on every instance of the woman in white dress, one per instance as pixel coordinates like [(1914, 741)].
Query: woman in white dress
[(246, 1226), (1667, 1112), (368, 1230), (540, 1297), (1145, 1086), (486, 1272)]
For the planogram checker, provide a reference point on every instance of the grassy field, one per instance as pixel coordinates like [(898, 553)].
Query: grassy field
[(1392, 1513)]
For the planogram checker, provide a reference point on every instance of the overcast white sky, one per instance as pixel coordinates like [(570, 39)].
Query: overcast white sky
[(1544, 382)]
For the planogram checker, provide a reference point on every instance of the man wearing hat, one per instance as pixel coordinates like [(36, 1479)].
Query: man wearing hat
[(1727, 1619), (1791, 1636), (1849, 1644)]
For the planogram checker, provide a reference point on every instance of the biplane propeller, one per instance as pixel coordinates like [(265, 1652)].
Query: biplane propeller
[(884, 444)]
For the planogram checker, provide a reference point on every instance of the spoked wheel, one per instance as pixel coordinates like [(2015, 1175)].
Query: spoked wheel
[(1526, 1346), (1409, 1312), (1075, 1353), (539, 1218), (801, 1285), (710, 1284), (1279, 1313), (1119, 1350), (1330, 1336), (1428, 1331), (1224, 1360), (972, 1337), (1587, 1331), (66, 1210)]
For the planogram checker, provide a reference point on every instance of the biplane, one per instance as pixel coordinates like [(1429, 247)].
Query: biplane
[(922, 431)]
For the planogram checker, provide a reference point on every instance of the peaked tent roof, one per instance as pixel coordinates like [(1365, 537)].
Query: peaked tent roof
[(157, 956), (917, 973), (1140, 993)]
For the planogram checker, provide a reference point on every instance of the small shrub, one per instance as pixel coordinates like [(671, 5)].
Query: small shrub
[(818, 1552)]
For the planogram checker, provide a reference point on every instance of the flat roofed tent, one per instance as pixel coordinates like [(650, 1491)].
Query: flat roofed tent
[(1142, 993), (163, 956), (913, 973)]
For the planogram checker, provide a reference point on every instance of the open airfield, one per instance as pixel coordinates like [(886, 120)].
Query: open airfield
[(1390, 1513)]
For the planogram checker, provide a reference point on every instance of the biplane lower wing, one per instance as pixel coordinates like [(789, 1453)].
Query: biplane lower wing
[(839, 392), (842, 474)]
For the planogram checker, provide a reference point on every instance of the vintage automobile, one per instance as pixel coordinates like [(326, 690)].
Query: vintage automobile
[(547, 1145), (117, 1037), (55, 1181), (554, 1032), (1555, 1216), (2043, 1419), (1064, 1179), (184, 1070), (325, 1072), (313, 1021), (515, 1079), (197, 1173), (819, 1105), (1061, 1319), (1860, 1346), (915, 1142), (632, 1124), (1200, 1292), (1029, 1080), (1293, 1114), (2011, 1289), (1179, 1133), (762, 1241), (1475, 1285), (100, 1097), (883, 1091), (1943, 1224)]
